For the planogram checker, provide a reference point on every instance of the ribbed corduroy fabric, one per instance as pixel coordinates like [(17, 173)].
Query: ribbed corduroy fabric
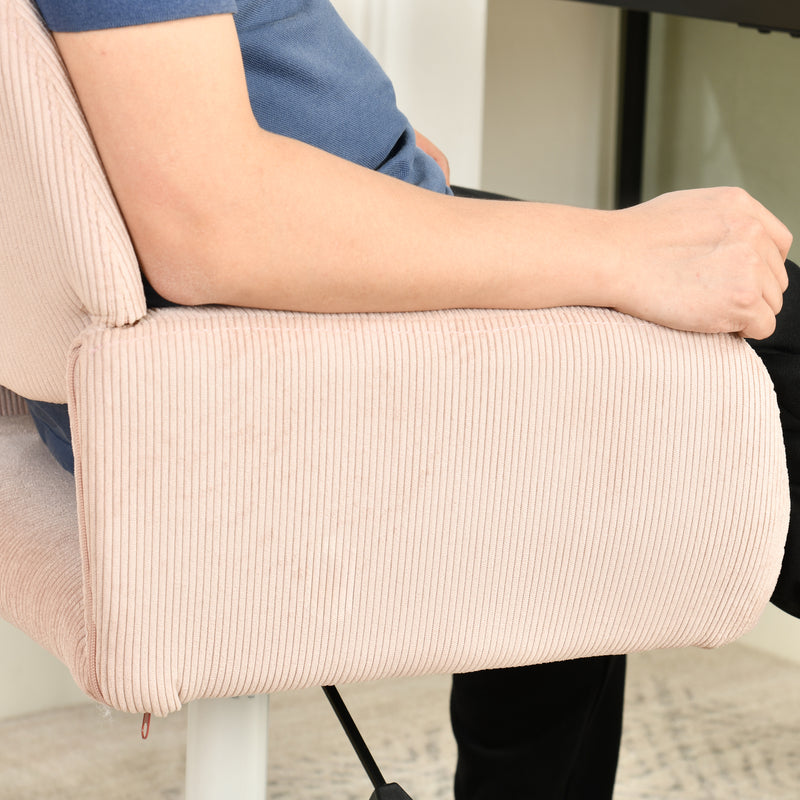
[(11, 404), (271, 500), (66, 260), (40, 564)]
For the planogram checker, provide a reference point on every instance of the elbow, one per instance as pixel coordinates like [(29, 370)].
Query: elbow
[(181, 283), (183, 241), (178, 261)]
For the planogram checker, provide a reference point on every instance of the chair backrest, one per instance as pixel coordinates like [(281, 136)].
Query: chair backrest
[(66, 260), (11, 405)]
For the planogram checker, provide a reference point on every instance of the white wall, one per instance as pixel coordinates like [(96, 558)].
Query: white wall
[(725, 109), (540, 124), (550, 122), (434, 52)]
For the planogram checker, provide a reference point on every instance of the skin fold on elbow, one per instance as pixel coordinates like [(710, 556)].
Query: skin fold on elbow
[(184, 251), (181, 275)]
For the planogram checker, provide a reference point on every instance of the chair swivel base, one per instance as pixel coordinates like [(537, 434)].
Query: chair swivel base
[(390, 791)]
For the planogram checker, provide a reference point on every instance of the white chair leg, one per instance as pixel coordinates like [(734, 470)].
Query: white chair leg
[(226, 749)]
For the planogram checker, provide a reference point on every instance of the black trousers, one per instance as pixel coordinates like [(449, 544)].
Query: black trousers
[(781, 356), (539, 733), (552, 731)]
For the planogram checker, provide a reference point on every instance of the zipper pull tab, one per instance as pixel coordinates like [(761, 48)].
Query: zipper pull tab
[(145, 726)]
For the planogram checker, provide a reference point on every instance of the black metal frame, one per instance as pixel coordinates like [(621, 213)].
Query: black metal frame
[(776, 15), (633, 67)]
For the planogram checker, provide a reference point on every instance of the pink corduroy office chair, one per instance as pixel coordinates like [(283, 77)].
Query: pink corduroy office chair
[(265, 501)]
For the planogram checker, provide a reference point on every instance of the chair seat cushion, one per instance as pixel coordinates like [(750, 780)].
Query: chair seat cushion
[(41, 587)]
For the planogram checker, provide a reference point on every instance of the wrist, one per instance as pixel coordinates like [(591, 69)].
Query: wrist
[(601, 239)]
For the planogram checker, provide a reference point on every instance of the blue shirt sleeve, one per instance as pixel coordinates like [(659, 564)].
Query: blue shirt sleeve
[(88, 15)]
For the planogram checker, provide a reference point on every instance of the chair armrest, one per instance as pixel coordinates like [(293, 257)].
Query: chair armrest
[(271, 500)]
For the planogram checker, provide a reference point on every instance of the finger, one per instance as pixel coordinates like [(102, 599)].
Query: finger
[(776, 230), (781, 274), (775, 279), (773, 296), (761, 324), (776, 262), (771, 258)]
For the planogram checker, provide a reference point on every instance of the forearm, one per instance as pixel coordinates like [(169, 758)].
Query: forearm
[(299, 229)]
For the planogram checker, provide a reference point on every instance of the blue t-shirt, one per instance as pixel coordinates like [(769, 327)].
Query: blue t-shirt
[(308, 78)]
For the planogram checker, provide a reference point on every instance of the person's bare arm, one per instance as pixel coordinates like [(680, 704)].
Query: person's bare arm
[(221, 211)]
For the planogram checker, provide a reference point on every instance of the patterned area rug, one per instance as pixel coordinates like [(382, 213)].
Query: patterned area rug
[(699, 726)]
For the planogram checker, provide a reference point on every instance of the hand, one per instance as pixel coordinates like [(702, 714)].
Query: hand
[(427, 146), (708, 260)]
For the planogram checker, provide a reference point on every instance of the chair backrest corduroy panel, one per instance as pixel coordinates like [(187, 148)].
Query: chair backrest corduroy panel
[(66, 260), (11, 405)]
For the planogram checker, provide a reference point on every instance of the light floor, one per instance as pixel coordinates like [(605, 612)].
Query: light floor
[(719, 725)]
